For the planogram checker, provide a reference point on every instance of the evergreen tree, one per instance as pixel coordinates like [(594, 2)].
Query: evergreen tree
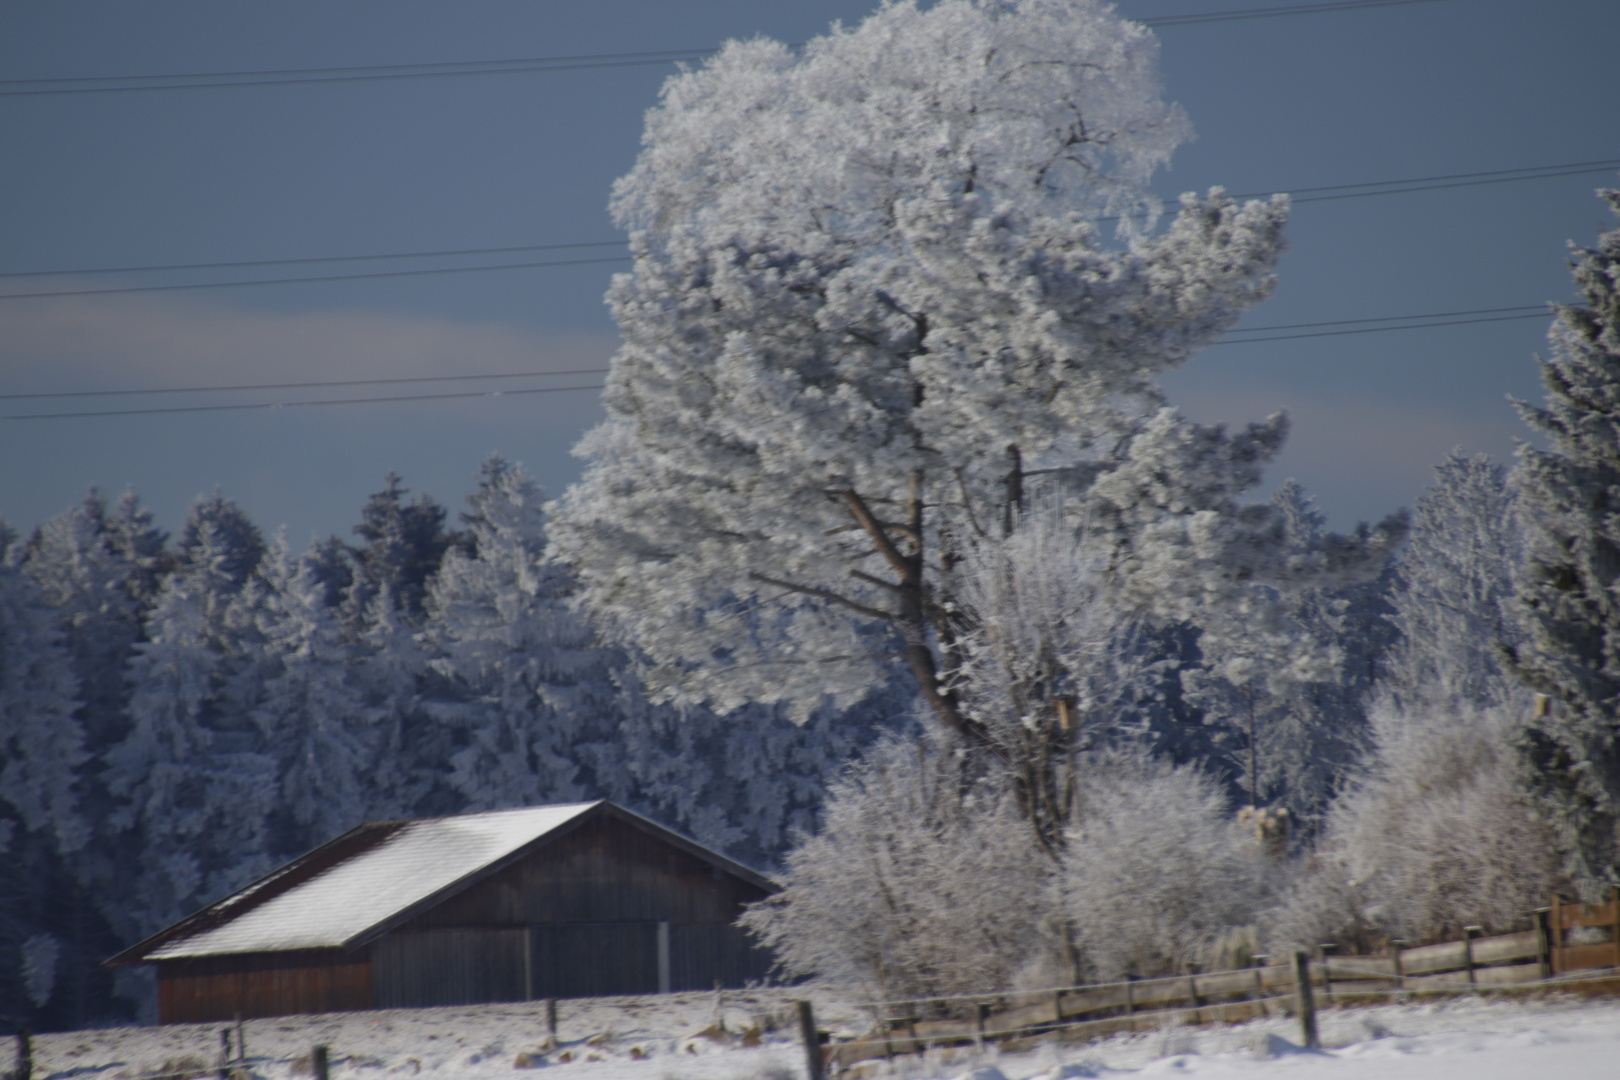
[(41, 825), (311, 714), (1286, 663), (403, 546), (532, 685), (1453, 595), (237, 545), (193, 789), (99, 569), (1570, 589)]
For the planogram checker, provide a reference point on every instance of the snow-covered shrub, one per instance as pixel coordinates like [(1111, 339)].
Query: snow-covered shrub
[(1437, 836), (1156, 874), (924, 880)]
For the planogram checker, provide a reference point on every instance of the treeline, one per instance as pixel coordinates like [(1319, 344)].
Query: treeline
[(179, 716)]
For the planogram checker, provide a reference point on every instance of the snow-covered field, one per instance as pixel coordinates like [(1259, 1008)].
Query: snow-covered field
[(675, 1037)]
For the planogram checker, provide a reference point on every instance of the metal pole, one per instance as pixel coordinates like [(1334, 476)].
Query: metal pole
[(816, 1068), (1307, 1004)]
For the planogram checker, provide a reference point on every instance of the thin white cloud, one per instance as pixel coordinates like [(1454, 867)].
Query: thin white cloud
[(141, 342)]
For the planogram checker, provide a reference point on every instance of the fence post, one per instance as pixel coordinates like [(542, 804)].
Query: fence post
[(1614, 922), (1307, 1004), (25, 1056), (224, 1054), (1130, 997), (1557, 942), (983, 1013), (815, 1066), (551, 1018), (1543, 942), (1469, 934), (321, 1063)]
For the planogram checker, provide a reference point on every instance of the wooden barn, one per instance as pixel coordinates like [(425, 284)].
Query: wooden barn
[(549, 901)]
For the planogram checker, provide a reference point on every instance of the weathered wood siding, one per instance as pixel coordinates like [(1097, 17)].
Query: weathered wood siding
[(263, 984), (462, 966), (604, 871), (592, 901)]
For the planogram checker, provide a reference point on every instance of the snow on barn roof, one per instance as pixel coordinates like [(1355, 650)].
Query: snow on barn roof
[(357, 886)]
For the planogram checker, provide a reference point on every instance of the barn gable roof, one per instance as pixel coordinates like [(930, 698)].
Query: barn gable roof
[(376, 876)]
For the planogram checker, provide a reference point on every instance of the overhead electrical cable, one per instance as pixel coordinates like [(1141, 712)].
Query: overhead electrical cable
[(1299, 195), (211, 80), (1398, 322), (272, 405), (244, 263), (302, 385), (1248, 14), (321, 278)]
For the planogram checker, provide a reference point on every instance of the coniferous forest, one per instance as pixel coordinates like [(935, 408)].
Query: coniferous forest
[(892, 571)]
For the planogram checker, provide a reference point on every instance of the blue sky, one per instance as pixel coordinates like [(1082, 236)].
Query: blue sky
[(292, 172)]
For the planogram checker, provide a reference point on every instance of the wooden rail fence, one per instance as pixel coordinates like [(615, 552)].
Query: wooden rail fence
[(1551, 953)]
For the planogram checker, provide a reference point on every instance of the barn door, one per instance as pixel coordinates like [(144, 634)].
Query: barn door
[(595, 959)]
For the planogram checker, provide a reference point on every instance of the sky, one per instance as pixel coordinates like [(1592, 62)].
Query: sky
[(209, 174)]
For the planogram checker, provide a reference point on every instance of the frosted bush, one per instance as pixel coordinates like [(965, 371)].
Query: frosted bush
[(922, 881), (1156, 876), (1437, 836)]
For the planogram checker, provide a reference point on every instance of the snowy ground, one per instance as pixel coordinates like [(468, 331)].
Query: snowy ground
[(663, 1038)]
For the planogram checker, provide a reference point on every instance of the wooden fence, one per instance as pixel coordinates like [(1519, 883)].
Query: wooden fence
[(1545, 955)]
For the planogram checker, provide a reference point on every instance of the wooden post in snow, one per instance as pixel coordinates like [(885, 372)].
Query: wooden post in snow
[(224, 1054), (320, 1062), (1307, 1004), (25, 1056), (1469, 934), (815, 1067), (1543, 941)]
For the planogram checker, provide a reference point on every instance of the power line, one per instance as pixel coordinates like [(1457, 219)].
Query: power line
[(1402, 322), (297, 404), (1380, 329), (242, 263), (1540, 309), (1247, 14), (1302, 195), (208, 80), (300, 385), (316, 279)]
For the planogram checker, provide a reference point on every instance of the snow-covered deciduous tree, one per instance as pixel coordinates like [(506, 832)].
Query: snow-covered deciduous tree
[(1438, 835), (1049, 660), (870, 297), (1569, 493), (1155, 872), (922, 881), (533, 686)]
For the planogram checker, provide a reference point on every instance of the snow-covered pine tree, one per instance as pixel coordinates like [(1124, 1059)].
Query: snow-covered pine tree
[(99, 569), (533, 688), (312, 715), (869, 300), (194, 791), (403, 543), (41, 826), (41, 741), (1286, 663), (1570, 588), (1453, 594)]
